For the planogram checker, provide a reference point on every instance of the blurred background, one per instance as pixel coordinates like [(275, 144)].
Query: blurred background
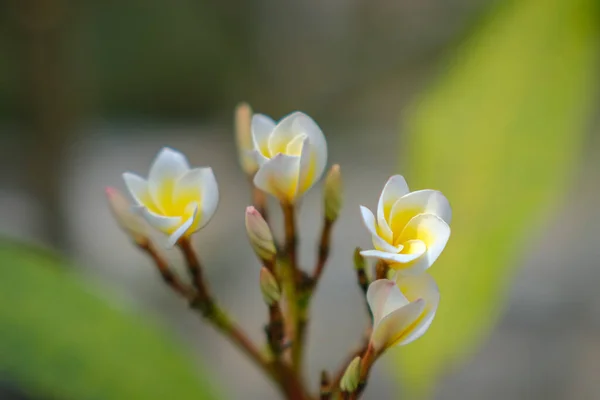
[(493, 102)]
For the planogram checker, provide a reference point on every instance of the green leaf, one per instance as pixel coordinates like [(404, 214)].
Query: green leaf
[(500, 134), (60, 340)]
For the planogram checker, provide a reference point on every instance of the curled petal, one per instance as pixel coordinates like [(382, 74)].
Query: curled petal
[(283, 134), (262, 127), (198, 186), (163, 224), (419, 202), (279, 177), (402, 258), (210, 197), (304, 124), (308, 167), (185, 227), (138, 188), (420, 286), (168, 166), (383, 297), (396, 325), (394, 188), (378, 241), (431, 230)]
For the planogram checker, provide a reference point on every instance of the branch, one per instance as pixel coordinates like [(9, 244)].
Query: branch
[(291, 282), (324, 249), (217, 316), (165, 272)]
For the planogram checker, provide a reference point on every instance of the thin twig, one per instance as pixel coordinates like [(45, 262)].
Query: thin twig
[(366, 362), (325, 389), (217, 316), (170, 278), (195, 269), (381, 270), (324, 249), (335, 383)]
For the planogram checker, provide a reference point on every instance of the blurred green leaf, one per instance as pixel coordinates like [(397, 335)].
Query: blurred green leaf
[(59, 340), (500, 134)]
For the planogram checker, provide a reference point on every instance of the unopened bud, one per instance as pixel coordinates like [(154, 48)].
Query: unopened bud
[(333, 193), (351, 377), (359, 260), (269, 287), (243, 138), (130, 222), (259, 234)]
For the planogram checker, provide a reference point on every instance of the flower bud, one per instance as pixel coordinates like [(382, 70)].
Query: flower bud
[(351, 377), (269, 287), (259, 234), (333, 193), (243, 138), (131, 223)]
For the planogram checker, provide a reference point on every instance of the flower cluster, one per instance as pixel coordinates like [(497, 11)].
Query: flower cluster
[(285, 159)]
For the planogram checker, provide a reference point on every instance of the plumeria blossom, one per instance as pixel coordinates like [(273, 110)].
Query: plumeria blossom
[(411, 228), (402, 310), (291, 155), (176, 199)]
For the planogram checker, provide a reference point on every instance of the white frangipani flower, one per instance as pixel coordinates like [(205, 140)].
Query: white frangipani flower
[(291, 155), (402, 310), (175, 199), (411, 228)]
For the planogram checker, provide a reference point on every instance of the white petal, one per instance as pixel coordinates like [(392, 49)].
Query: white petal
[(393, 326), (168, 166), (159, 222), (420, 286), (378, 241), (430, 229), (283, 134), (308, 167), (210, 197), (383, 297), (258, 157), (419, 202), (394, 188), (198, 185), (138, 188), (279, 177), (175, 236), (302, 123), (262, 127), (399, 258)]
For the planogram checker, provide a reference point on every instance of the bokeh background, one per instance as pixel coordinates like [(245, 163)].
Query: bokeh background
[(492, 102)]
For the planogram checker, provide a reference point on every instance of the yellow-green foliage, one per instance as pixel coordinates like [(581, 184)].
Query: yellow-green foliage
[(500, 133), (59, 340)]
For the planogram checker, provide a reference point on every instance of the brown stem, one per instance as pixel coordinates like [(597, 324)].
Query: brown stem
[(325, 389), (167, 275), (381, 270), (195, 269), (366, 362), (219, 319), (275, 330), (324, 248), (335, 384)]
